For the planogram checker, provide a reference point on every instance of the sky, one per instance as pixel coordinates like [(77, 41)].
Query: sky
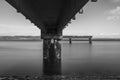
[(101, 18)]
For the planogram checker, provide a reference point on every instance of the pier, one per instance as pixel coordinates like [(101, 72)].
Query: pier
[(51, 16), (77, 38)]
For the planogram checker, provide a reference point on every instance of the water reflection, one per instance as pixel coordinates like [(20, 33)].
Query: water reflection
[(52, 67), (26, 58)]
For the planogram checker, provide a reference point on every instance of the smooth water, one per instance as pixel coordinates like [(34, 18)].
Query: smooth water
[(79, 57)]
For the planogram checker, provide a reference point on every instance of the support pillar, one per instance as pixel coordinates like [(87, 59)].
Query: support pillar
[(51, 49), (51, 57)]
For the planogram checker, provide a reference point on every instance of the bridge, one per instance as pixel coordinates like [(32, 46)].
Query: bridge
[(51, 16)]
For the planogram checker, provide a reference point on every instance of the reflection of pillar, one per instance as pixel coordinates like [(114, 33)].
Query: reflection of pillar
[(52, 67), (51, 57)]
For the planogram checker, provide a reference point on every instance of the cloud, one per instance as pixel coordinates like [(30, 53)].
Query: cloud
[(114, 14), (115, 11), (115, 0), (113, 18)]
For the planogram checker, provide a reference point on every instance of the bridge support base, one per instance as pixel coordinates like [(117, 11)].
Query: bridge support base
[(51, 57), (51, 49)]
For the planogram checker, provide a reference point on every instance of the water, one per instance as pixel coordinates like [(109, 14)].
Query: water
[(80, 57)]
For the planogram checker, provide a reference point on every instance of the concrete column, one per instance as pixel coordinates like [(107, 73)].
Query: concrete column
[(51, 57)]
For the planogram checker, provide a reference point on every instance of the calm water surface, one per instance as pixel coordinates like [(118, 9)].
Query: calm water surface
[(26, 57)]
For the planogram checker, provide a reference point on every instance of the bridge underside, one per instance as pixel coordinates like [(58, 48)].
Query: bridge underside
[(51, 16)]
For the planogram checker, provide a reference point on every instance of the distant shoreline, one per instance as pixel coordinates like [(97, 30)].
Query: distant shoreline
[(68, 40), (105, 39), (37, 38)]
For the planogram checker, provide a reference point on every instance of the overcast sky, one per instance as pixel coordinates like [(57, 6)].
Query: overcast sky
[(100, 18)]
